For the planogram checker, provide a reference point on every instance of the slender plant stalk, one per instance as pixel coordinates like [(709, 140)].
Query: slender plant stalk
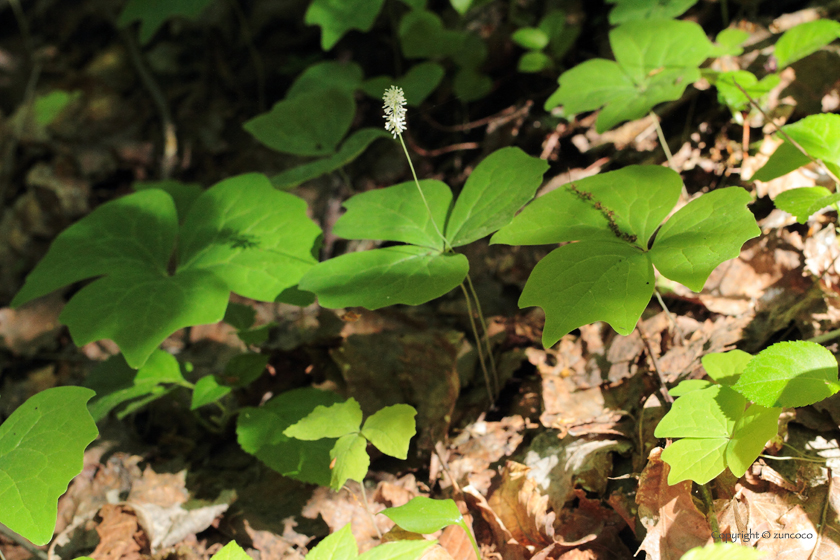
[(706, 494), (423, 196), (662, 142), (367, 509), (478, 344), (488, 348)]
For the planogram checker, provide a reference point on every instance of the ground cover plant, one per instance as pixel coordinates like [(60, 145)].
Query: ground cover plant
[(241, 317)]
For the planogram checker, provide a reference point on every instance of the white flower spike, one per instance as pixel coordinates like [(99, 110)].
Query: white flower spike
[(394, 106)]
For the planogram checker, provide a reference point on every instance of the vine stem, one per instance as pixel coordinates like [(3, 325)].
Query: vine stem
[(706, 494), (662, 142)]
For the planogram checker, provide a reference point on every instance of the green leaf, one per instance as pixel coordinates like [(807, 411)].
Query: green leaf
[(424, 515), (183, 194), (498, 187), (337, 18), (308, 125), (531, 38), (243, 369), (818, 135), (397, 213), (729, 41), (799, 201), (785, 159), (533, 61), (639, 196), (655, 61), (422, 36), (629, 10), (688, 386), (471, 84), (726, 367), (391, 429), (589, 281), (260, 433), (729, 94), (231, 551), (332, 74), (350, 149), (804, 39), (723, 551), (702, 234), (717, 433), (418, 83), (381, 277), (400, 550), (351, 460), (42, 445), (47, 108), (256, 239), (790, 374), (240, 316), (332, 421), (153, 13), (461, 6), (206, 391), (339, 546)]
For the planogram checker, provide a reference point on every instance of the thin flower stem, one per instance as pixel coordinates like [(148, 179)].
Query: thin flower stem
[(478, 344), (661, 136), (423, 196), (488, 348), (367, 508)]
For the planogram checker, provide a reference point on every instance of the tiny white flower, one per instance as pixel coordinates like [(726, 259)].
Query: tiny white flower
[(394, 110)]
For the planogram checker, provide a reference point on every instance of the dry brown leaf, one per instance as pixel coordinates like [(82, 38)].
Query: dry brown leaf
[(120, 535), (508, 547), (291, 545), (457, 543), (340, 508), (164, 489), (523, 508)]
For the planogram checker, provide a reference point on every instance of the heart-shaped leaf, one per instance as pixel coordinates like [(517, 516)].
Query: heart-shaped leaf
[(337, 18)]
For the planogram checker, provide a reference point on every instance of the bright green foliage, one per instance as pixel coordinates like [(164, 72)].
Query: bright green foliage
[(231, 551), (804, 202), (419, 272), (608, 274), (342, 546), (725, 367), (629, 10), (717, 433), (689, 385), (461, 6), (729, 41), (153, 13), (531, 38), (418, 83), (723, 551), (422, 35), (206, 391), (533, 61), (390, 430), (241, 235), (818, 135), (804, 39), (183, 194), (734, 98), (240, 316), (260, 433), (116, 383), (47, 108), (655, 61), (42, 445), (424, 515), (790, 374), (338, 17)]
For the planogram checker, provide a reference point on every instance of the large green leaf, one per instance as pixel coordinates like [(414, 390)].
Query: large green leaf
[(381, 277), (391, 429), (424, 515), (337, 17), (153, 13), (655, 61), (639, 197), (629, 10), (331, 421), (339, 546), (717, 433), (348, 460), (792, 374), (496, 189), (818, 135), (260, 433), (42, 445), (701, 235), (397, 213), (418, 83), (307, 125), (590, 281), (804, 39)]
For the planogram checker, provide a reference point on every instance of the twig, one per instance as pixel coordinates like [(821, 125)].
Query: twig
[(30, 548), (664, 388), (662, 142), (445, 150), (786, 136), (506, 115)]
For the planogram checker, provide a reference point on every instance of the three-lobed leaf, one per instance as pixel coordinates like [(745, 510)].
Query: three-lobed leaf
[(42, 446)]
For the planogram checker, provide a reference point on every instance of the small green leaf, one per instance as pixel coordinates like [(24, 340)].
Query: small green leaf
[(331, 421), (400, 550), (751, 433), (729, 94), (183, 194), (206, 391), (260, 433), (697, 459), (391, 429), (42, 445), (231, 551), (351, 460), (418, 83), (424, 515), (729, 41), (799, 201), (702, 234), (339, 546), (688, 386), (461, 6), (726, 367), (153, 13), (817, 134), (790, 374), (590, 281), (804, 39), (533, 61), (47, 108), (531, 38), (629, 10), (498, 187), (381, 277), (397, 213), (243, 369), (337, 18), (723, 551)]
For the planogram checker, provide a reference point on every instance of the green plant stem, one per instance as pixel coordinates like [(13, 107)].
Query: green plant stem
[(488, 348), (367, 509), (724, 12), (478, 344), (706, 494), (805, 459), (662, 142), (423, 196), (825, 337), (465, 527)]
